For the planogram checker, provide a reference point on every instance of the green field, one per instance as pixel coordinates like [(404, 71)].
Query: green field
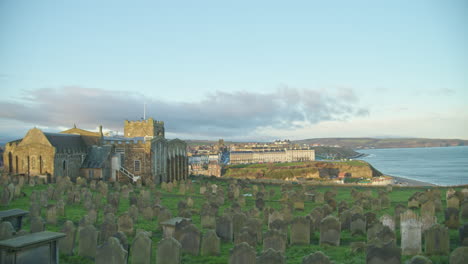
[(294, 254)]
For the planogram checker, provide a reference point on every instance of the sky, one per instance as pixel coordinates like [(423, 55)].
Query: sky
[(238, 70)]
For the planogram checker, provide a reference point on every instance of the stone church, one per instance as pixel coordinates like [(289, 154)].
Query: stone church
[(142, 152)]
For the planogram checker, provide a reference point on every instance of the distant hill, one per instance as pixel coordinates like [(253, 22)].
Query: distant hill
[(362, 143)]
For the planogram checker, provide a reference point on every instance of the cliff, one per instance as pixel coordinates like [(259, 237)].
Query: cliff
[(302, 170)]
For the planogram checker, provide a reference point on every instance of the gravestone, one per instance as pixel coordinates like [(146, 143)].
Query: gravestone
[(275, 215), (428, 221), (410, 233), (358, 224), (345, 219), (437, 240), (246, 235), (452, 219), (87, 241), (316, 258), (111, 252), (459, 255), (428, 208), (464, 210), (274, 239), (280, 226), (300, 231), (453, 202), (190, 240), (125, 224), (238, 221), (381, 253), (141, 249), (51, 215), (210, 244), (242, 254), (108, 227), (67, 244), (37, 224), (419, 260), (387, 220), (463, 235), (168, 251), (330, 231), (224, 228), (271, 256), (7, 230)]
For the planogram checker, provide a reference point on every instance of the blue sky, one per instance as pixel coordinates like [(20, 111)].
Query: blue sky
[(242, 70)]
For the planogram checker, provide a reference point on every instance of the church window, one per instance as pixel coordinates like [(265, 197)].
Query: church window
[(137, 166), (90, 174)]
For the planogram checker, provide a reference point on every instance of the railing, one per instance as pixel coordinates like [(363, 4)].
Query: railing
[(129, 174)]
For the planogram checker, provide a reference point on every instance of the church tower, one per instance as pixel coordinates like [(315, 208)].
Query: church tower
[(148, 128)]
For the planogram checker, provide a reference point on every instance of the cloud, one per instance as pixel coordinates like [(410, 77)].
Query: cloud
[(218, 114)]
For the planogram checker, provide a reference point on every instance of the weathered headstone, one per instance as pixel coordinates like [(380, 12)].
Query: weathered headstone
[(463, 235), (7, 230), (141, 249), (67, 244), (410, 233), (37, 224), (358, 224), (108, 227), (387, 220), (274, 239), (300, 231), (382, 253), (111, 252), (437, 240), (330, 231), (168, 251), (211, 244), (317, 257), (242, 254), (459, 255), (190, 240), (125, 224), (419, 260), (87, 241), (51, 214), (271, 256), (452, 219)]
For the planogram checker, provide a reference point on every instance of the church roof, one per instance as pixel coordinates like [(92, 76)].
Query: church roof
[(96, 157), (64, 142)]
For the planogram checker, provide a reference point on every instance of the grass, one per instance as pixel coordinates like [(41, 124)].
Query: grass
[(294, 254)]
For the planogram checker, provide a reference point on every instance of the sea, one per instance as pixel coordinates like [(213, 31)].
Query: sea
[(442, 166)]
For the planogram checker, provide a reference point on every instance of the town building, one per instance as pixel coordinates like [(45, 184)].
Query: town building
[(143, 152), (269, 156)]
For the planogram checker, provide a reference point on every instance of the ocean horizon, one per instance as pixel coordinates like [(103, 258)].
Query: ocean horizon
[(444, 166)]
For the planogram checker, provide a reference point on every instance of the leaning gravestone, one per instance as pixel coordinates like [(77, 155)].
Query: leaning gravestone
[(317, 257), (211, 243), (168, 251), (437, 240), (419, 260), (111, 252), (459, 256), (141, 249), (300, 231), (242, 254), (271, 256), (330, 231), (67, 243), (87, 241), (410, 233)]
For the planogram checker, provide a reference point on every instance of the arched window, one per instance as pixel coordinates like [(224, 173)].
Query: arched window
[(10, 162), (64, 165)]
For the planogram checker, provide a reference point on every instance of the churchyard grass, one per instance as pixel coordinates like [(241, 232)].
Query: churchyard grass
[(294, 254)]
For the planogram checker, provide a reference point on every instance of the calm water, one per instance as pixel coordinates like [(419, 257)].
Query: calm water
[(441, 166)]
